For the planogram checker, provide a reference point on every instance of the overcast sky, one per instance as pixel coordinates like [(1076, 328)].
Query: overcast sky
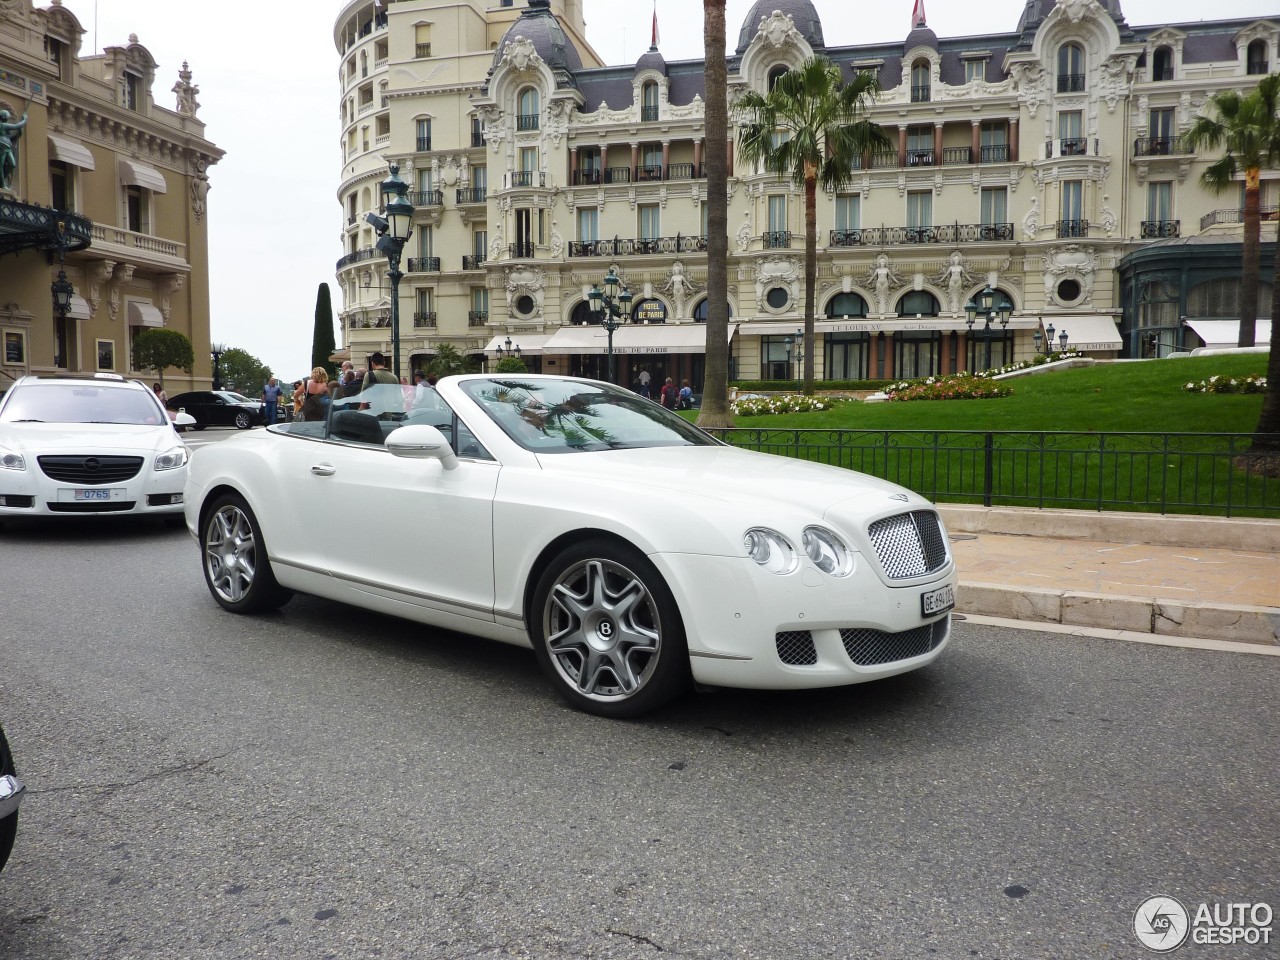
[(269, 97)]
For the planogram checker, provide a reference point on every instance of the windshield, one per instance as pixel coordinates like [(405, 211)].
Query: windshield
[(568, 416), (80, 403), (235, 397)]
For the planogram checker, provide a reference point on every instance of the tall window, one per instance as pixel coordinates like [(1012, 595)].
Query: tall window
[(422, 40), (137, 209), (649, 101), (527, 109), (425, 183), (1160, 201), (426, 241), (848, 211), (994, 139), (423, 313), (775, 358), (1256, 57), (995, 205), (1070, 68), (480, 178), (920, 74), (920, 145), (650, 162), (61, 182), (132, 91), (588, 224), (847, 356), (57, 51), (920, 208), (775, 73), (1162, 64), (650, 224), (424, 134), (1070, 133), (975, 69), (1161, 131), (777, 213), (480, 301), (480, 243)]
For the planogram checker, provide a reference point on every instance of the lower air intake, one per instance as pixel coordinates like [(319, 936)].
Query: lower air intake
[(869, 648)]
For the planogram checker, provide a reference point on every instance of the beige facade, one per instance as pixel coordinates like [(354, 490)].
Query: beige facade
[(109, 181), (1035, 162)]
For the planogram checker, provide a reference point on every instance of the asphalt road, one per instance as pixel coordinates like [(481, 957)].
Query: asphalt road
[(328, 783)]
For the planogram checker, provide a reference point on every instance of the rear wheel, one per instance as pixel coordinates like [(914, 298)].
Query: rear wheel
[(9, 825), (607, 632), (243, 421), (236, 567)]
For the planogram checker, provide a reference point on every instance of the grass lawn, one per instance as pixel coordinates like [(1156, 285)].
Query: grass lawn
[(1113, 397), (941, 448)]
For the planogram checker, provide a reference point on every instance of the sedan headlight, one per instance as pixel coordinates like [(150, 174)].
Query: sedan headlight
[(11, 461), (827, 551), (173, 458), (770, 549)]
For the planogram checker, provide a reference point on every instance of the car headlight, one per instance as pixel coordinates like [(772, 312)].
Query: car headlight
[(827, 551), (173, 458), (11, 461), (770, 549)]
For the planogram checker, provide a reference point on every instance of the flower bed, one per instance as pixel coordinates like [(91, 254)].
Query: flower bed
[(786, 403), (1218, 384), (958, 386)]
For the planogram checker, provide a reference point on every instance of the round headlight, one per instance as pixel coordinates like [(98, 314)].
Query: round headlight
[(770, 549), (827, 551)]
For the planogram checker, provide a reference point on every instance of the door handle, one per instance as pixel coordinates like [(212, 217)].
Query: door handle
[(324, 470)]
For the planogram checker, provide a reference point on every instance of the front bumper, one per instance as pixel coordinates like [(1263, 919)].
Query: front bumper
[(11, 791), (30, 493), (740, 621)]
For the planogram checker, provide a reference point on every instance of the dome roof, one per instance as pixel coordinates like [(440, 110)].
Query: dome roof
[(921, 36), (802, 12), (652, 60), (539, 26)]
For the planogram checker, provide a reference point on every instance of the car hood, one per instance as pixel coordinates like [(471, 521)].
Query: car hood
[(57, 438), (731, 475)]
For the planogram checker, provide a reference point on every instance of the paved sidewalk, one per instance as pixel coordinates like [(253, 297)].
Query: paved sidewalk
[(1206, 578)]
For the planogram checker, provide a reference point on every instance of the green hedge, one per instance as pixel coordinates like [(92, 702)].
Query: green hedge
[(819, 386)]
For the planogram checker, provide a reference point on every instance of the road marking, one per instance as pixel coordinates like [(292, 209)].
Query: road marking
[(1130, 636)]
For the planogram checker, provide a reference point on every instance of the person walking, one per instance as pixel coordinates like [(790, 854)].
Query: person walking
[(686, 396), (378, 372), (271, 394), (670, 395), (644, 383)]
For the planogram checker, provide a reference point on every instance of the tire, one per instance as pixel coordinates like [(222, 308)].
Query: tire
[(607, 632), (9, 825), (198, 426), (243, 421), (234, 559)]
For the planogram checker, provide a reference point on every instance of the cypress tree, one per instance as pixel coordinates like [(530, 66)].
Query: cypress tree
[(322, 343)]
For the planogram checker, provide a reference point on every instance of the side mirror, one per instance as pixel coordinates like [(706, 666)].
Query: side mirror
[(182, 419), (422, 442)]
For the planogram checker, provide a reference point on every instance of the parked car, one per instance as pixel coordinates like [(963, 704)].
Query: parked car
[(634, 552), (11, 791), (95, 444), (219, 408)]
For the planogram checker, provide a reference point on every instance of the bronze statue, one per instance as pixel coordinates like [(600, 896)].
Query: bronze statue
[(9, 132)]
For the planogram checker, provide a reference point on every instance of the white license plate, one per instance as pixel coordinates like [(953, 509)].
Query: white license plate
[(93, 494), (937, 601)]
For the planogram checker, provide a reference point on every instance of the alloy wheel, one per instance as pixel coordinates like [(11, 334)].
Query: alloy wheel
[(231, 553)]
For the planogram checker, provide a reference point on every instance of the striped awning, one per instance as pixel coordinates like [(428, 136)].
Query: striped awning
[(70, 151), (137, 174), (144, 315)]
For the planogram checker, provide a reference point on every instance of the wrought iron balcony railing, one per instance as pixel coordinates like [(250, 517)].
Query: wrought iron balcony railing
[(527, 121), (994, 153), (623, 247), (943, 233), (521, 248), (474, 262), (920, 93), (477, 318), (1070, 82), (424, 264), (584, 178), (424, 318), (1159, 146), (955, 155), (426, 198), (1237, 216), (1256, 67), (1073, 146), (1164, 73), (471, 195), (422, 50), (920, 158), (526, 178), (617, 175), (1159, 229), (477, 138), (1072, 229), (366, 253), (776, 239), (649, 172), (424, 143), (648, 114)]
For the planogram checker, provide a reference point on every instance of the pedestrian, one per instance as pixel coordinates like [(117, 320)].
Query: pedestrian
[(297, 399), (686, 396), (378, 372), (407, 392), (424, 394), (644, 383), (670, 395), (271, 394), (160, 395), (315, 395)]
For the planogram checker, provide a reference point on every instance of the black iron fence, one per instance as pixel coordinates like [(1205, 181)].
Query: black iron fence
[(1146, 472)]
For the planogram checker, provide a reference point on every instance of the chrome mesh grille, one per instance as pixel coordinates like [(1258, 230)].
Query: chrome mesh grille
[(869, 648), (795, 647), (909, 544)]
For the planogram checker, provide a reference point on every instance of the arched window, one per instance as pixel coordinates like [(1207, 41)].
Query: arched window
[(527, 109), (775, 73), (1070, 68), (700, 311), (846, 305), (920, 74), (649, 101), (918, 303), (582, 314), (1162, 64), (1256, 58)]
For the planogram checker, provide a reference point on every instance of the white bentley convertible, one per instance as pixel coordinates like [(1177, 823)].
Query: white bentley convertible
[(634, 552)]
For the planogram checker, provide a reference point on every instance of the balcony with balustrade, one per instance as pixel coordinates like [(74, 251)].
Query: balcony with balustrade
[(616, 247), (473, 262), (1159, 229), (526, 121), (943, 233), (776, 239), (1160, 147), (525, 178), (477, 318), (426, 198), (424, 265), (466, 195), (1071, 82), (357, 256), (1072, 229), (424, 318)]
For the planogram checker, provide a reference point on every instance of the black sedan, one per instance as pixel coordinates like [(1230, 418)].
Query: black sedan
[(218, 408)]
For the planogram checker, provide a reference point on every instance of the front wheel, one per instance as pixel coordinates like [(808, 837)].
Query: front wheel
[(607, 632), (236, 567), (243, 421), (9, 825)]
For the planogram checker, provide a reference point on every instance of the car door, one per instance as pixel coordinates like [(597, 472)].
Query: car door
[(410, 529), (197, 404)]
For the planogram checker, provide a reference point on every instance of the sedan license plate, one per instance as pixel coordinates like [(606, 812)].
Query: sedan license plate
[(94, 494), (937, 601)]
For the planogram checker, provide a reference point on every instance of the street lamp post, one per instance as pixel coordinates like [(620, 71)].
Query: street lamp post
[(512, 350), (215, 351), (1038, 337), (62, 291), (394, 232), (611, 308), (1062, 341), (800, 360), (984, 304)]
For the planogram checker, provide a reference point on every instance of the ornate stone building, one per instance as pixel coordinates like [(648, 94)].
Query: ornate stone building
[(1047, 162), (109, 187)]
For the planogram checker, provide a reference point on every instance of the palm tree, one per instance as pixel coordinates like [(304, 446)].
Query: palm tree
[(1246, 129), (1266, 437), (715, 410), (812, 128), (448, 361)]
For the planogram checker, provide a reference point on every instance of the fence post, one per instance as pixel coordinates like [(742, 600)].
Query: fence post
[(988, 467)]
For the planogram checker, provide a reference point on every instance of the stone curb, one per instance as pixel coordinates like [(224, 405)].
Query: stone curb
[(1168, 618)]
